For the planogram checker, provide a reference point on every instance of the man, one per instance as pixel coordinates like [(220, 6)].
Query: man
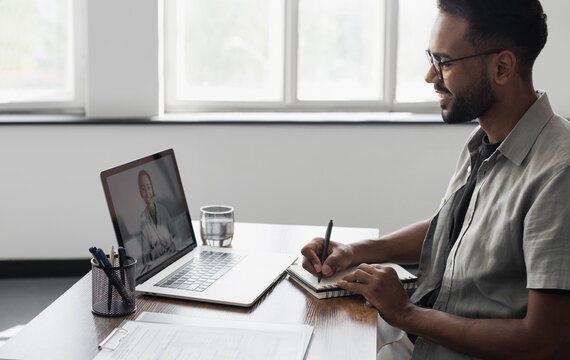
[(494, 274)]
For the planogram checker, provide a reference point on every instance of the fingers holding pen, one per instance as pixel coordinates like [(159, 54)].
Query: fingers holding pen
[(311, 255), (339, 257)]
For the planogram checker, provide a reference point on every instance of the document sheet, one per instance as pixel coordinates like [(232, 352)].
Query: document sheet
[(206, 339)]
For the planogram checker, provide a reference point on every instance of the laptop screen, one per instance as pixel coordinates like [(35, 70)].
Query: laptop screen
[(149, 211)]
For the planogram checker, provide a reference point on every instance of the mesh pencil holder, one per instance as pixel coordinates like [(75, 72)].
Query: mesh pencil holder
[(113, 289)]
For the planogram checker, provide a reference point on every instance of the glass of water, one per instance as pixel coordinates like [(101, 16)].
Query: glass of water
[(217, 225)]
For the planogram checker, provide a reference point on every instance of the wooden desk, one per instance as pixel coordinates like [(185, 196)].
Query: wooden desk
[(344, 328)]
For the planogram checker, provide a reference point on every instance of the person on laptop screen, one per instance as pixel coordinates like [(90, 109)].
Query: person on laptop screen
[(156, 225)]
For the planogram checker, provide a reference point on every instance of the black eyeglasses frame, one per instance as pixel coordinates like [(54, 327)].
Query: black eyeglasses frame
[(437, 63)]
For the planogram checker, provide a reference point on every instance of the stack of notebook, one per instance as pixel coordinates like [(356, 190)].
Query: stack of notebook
[(328, 287)]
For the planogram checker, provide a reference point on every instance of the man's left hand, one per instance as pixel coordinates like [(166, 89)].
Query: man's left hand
[(382, 288)]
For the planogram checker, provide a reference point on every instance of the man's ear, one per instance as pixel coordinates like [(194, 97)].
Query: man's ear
[(505, 67)]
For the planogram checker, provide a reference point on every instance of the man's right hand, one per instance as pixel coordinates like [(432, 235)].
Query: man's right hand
[(340, 257)]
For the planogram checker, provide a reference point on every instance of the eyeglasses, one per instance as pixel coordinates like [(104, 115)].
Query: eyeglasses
[(436, 62)]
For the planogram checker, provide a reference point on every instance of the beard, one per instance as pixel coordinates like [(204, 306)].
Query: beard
[(470, 104)]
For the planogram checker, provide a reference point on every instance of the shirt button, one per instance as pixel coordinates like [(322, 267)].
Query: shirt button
[(469, 170)]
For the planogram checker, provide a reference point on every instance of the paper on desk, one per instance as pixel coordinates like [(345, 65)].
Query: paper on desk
[(187, 320), (209, 339)]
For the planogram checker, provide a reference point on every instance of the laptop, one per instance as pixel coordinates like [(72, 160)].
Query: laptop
[(151, 220)]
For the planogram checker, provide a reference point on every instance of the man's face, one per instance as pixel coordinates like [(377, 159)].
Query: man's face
[(465, 92)]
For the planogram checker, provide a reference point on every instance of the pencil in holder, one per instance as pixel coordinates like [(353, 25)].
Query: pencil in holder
[(113, 288)]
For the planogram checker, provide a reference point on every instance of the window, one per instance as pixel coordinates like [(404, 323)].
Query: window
[(339, 50), (180, 56), (37, 54), (296, 55), (415, 19), (228, 50)]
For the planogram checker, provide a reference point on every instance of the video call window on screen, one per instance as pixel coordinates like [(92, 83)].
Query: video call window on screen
[(149, 210)]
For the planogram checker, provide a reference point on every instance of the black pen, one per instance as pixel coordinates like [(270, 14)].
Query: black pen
[(122, 262), (324, 254)]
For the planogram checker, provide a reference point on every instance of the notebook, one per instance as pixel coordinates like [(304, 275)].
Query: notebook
[(328, 287), (164, 243)]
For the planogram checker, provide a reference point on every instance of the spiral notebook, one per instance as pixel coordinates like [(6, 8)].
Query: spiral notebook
[(328, 287)]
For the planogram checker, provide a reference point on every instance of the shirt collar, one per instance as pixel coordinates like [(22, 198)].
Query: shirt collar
[(520, 140)]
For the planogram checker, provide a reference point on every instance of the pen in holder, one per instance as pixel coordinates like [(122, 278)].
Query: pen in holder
[(113, 288)]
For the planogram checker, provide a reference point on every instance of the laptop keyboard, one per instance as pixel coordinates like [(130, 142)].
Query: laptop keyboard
[(201, 272)]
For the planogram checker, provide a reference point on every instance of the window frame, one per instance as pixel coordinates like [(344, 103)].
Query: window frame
[(290, 102), (137, 92), (75, 105)]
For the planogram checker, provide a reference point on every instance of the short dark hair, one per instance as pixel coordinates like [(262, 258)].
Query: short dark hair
[(516, 25)]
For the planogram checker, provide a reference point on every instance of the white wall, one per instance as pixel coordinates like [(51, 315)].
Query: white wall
[(52, 204), (123, 58), (374, 175), (551, 68)]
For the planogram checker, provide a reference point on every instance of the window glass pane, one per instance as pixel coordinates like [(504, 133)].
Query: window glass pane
[(340, 49), (36, 51), (229, 50), (416, 18)]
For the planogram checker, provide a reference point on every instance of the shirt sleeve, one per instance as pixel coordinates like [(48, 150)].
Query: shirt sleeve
[(546, 241)]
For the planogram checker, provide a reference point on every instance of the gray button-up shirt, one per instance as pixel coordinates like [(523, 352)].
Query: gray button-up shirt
[(516, 234)]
